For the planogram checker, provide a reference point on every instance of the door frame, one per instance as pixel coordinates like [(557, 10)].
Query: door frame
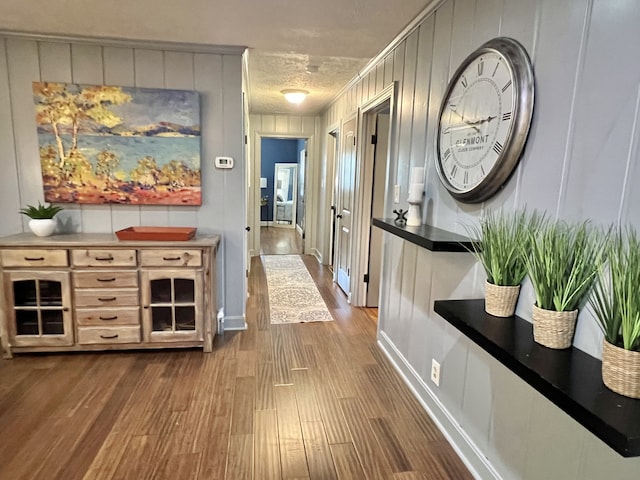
[(256, 190), (330, 200), (363, 188)]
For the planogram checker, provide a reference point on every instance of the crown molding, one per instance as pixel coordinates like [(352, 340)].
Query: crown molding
[(128, 43)]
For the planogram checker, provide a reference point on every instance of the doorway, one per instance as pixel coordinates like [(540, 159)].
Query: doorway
[(376, 144), (281, 199)]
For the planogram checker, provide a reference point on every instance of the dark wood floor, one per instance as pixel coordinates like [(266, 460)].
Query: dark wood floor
[(316, 401), (280, 241)]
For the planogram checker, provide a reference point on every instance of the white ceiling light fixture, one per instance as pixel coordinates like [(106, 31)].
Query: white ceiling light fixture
[(295, 95)]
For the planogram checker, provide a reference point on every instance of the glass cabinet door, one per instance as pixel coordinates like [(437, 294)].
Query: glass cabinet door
[(39, 308), (172, 305)]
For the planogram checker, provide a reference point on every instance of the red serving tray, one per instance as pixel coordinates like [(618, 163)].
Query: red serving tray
[(156, 233)]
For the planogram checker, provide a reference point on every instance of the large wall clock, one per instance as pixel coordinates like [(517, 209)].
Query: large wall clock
[(484, 120)]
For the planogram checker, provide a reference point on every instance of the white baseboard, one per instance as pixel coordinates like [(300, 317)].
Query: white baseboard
[(299, 229), (235, 323), (316, 253), (470, 454)]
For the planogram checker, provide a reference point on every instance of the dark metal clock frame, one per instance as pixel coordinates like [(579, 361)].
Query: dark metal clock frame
[(521, 70)]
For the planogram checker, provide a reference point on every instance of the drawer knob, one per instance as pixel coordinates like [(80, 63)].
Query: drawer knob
[(109, 337), (112, 279), (34, 259), (104, 259), (170, 259), (107, 299), (115, 317)]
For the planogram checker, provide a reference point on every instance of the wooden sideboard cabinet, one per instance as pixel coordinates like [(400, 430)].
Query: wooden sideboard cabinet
[(94, 292)]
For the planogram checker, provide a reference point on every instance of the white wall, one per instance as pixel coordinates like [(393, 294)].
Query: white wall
[(580, 162), (216, 77)]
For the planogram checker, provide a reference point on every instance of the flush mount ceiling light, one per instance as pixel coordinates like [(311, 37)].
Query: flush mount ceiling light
[(295, 95)]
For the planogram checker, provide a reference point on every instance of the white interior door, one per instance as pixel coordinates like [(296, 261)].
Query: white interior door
[(346, 182)]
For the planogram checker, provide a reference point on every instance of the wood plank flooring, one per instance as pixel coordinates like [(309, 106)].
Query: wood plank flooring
[(280, 241), (316, 401)]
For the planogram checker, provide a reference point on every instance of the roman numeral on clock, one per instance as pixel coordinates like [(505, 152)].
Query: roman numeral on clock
[(497, 147), (506, 116), (454, 170), (447, 154), (507, 85), (463, 81), (480, 68), (466, 178)]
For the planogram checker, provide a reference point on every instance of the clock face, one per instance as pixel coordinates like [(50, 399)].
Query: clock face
[(482, 124)]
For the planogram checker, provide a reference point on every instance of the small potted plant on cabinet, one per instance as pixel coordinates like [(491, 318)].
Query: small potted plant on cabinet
[(500, 248), (616, 305), (42, 221), (562, 264)]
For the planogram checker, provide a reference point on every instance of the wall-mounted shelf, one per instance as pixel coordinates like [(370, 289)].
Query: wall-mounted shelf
[(426, 236), (571, 379)]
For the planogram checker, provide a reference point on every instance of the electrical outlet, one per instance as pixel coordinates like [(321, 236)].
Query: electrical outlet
[(396, 194), (435, 372)]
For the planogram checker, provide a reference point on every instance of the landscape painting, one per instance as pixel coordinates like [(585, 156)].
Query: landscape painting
[(104, 144)]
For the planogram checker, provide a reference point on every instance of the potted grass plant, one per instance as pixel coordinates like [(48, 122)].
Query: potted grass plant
[(500, 248), (42, 221), (562, 263), (615, 303)]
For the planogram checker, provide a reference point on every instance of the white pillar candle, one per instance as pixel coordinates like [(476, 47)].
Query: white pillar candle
[(415, 192), (417, 175)]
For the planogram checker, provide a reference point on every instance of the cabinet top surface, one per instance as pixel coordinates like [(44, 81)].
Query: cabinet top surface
[(99, 239)]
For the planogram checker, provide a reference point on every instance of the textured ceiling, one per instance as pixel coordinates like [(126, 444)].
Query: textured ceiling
[(286, 38)]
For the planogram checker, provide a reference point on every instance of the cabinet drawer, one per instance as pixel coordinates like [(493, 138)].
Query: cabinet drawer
[(96, 297), (171, 258), (97, 335), (102, 258), (34, 257), (106, 278), (106, 317)]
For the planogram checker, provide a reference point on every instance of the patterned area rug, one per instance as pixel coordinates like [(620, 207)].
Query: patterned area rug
[(293, 295)]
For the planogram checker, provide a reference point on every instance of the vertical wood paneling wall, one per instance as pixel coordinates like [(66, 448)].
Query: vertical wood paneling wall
[(216, 77), (580, 162), (285, 126)]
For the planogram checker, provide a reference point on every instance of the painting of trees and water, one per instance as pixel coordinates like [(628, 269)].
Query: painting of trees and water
[(104, 144)]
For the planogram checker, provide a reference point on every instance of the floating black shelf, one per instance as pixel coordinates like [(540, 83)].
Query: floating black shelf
[(569, 378), (426, 236)]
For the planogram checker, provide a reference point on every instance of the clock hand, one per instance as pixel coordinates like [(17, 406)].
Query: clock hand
[(482, 120), (460, 126)]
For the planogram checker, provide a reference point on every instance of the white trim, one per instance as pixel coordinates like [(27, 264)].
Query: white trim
[(467, 450), (299, 229), (256, 162), (237, 322), (316, 253), (362, 192), (130, 43)]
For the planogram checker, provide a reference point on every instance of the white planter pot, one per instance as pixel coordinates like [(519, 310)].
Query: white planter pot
[(43, 227)]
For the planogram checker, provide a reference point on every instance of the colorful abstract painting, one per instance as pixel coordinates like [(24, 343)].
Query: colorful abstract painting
[(103, 144)]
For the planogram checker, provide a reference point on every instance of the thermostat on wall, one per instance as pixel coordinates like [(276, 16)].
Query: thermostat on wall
[(224, 162)]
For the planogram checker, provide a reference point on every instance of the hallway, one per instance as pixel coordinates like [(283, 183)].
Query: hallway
[(317, 401), (280, 241)]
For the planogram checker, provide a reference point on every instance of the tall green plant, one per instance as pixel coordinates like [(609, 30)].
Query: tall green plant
[(616, 298), (501, 243), (563, 262)]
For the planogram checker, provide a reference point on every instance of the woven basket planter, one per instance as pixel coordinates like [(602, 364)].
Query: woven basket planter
[(554, 329), (621, 370), (500, 301)]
